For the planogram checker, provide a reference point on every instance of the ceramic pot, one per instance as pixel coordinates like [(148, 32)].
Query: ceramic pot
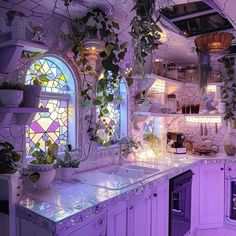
[(11, 98), (32, 95), (46, 172)]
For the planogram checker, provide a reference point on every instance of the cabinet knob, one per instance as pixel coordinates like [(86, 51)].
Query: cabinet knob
[(221, 168), (230, 169), (100, 221), (154, 194), (131, 207)]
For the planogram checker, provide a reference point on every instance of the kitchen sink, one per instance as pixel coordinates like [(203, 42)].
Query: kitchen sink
[(117, 177)]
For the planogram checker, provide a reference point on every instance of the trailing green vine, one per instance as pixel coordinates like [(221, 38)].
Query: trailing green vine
[(96, 24), (144, 31), (228, 91)]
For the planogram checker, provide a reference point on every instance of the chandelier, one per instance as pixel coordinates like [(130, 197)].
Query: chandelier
[(212, 43)]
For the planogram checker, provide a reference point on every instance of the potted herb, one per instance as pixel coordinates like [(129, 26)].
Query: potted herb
[(11, 94), (9, 158), (42, 168), (67, 165), (32, 92)]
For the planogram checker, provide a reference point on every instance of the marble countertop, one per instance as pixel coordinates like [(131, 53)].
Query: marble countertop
[(67, 204)]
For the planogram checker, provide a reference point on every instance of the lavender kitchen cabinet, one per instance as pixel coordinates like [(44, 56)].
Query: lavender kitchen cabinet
[(195, 199), (117, 220), (211, 195), (159, 212), (139, 215)]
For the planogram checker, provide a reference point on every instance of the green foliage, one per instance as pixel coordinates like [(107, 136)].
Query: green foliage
[(128, 145), (42, 157), (145, 32), (12, 86), (228, 91), (8, 158), (97, 25)]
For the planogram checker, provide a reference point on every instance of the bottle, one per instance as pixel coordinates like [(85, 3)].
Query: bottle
[(171, 103)]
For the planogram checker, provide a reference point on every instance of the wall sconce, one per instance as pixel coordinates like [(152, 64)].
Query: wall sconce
[(93, 47), (159, 86), (204, 119)]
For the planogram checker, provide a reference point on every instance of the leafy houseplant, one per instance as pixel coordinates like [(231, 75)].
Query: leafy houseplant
[(32, 92), (228, 90), (8, 158), (96, 24), (11, 94), (127, 146), (42, 167), (66, 165), (145, 32)]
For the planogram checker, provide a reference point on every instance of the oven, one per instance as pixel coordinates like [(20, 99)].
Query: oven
[(180, 204), (230, 193)]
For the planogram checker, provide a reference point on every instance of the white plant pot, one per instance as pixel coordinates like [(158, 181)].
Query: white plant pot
[(144, 107), (67, 172), (10, 98), (46, 172), (32, 95)]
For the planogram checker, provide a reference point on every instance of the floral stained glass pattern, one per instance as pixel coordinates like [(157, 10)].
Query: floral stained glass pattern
[(52, 125)]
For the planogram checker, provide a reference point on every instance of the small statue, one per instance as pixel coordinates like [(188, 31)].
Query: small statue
[(39, 35)]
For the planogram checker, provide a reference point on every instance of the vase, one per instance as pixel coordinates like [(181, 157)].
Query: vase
[(46, 175), (32, 95), (230, 141), (11, 98)]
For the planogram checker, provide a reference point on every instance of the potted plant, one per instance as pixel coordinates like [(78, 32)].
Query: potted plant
[(11, 94), (9, 158), (67, 165), (42, 168), (32, 92)]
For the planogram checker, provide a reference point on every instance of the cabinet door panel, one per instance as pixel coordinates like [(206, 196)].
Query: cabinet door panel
[(117, 220), (139, 217), (160, 207), (212, 194)]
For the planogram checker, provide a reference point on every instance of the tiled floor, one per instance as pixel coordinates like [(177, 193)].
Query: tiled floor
[(215, 232)]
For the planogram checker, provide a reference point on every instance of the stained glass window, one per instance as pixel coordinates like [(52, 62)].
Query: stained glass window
[(116, 118), (52, 125)]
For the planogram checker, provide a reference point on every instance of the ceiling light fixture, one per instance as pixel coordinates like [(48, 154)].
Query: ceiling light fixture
[(213, 43)]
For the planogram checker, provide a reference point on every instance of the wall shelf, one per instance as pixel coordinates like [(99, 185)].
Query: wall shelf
[(11, 51), (22, 115)]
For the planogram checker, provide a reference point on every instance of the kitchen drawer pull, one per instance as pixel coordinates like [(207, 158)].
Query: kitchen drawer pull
[(100, 221), (221, 168), (154, 194), (230, 169)]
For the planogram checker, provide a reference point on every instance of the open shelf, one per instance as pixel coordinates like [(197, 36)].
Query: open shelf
[(22, 115), (11, 51)]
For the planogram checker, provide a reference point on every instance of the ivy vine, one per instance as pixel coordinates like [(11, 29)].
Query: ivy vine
[(97, 25), (228, 90), (145, 32)]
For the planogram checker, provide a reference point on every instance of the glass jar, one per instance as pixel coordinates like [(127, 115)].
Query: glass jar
[(230, 142), (172, 103)]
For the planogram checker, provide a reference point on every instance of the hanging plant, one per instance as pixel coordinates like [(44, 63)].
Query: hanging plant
[(95, 24), (145, 32), (228, 90)]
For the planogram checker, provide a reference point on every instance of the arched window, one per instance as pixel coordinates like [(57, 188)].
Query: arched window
[(58, 95), (116, 117)]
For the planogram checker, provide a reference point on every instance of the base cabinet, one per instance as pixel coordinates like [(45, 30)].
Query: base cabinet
[(139, 215), (160, 206), (117, 220), (195, 199), (211, 195)]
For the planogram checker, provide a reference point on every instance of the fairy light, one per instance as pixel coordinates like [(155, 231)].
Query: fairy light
[(204, 119), (159, 86)]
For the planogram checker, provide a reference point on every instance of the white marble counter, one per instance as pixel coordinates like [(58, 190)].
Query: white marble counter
[(68, 204)]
